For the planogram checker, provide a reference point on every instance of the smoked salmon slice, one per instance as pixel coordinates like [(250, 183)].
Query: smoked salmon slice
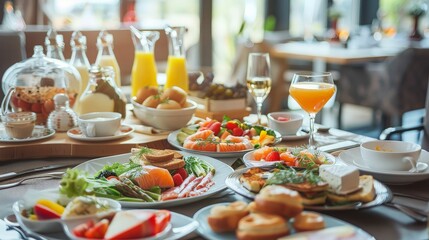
[(149, 176)]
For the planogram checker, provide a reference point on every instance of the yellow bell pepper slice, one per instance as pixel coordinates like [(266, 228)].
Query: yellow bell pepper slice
[(51, 205)]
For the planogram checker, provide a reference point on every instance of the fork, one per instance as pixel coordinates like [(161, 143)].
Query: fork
[(51, 175)]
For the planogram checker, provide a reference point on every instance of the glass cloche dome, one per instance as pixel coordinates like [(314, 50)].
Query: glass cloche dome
[(31, 85)]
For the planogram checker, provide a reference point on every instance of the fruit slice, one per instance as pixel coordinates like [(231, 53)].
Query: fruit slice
[(80, 230), (163, 218), (45, 213), (98, 230), (131, 225)]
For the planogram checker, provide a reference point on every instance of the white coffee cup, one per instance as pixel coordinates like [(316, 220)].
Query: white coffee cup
[(99, 124), (390, 155)]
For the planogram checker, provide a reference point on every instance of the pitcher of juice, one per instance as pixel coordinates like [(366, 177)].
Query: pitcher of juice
[(144, 68), (177, 75)]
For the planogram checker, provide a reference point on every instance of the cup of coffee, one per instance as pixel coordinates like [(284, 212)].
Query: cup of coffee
[(99, 124), (19, 125), (390, 155)]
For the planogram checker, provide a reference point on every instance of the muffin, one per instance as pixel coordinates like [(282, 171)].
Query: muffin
[(262, 226), (278, 200), (225, 218), (308, 221)]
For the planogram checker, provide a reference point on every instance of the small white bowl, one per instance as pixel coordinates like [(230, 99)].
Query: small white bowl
[(288, 127), (390, 155), (165, 119), (99, 124), (54, 225)]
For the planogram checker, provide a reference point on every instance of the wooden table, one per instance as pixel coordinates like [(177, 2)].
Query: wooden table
[(320, 54)]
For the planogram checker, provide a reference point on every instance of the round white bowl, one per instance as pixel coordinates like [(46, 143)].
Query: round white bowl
[(289, 127), (165, 119), (54, 225), (389, 155)]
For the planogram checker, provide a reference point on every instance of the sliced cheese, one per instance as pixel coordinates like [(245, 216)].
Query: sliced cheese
[(341, 179)]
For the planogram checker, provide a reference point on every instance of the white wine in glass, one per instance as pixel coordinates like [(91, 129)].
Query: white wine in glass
[(259, 79), (312, 91)]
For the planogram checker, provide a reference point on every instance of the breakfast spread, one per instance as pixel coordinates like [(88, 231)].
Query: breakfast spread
[(315, 187), (151, 175), (230, 135)]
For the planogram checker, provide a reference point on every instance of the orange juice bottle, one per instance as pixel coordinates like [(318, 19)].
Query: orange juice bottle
[(144, 67), (177, 74)]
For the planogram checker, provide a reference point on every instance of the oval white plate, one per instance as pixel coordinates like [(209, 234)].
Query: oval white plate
[(353, 157), (172, 139), (39, 133), (124, 130), (383, 194), (222, 171), (205, 230), (249, 161)]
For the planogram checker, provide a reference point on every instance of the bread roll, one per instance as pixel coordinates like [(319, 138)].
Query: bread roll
[(308, 221), (225, 218), (278, 200), (262, 226)]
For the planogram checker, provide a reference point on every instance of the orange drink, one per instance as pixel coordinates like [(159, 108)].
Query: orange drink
[(177, 75), (144, 71), (312, 96)]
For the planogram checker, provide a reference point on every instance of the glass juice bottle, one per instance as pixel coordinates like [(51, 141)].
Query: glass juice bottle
[(101, 93), (105, 56), (177, 75), (144, 67), (80, 61), (54, 43)]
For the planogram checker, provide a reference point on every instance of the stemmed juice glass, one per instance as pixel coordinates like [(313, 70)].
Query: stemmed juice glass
[(312, 91), (259, 79)]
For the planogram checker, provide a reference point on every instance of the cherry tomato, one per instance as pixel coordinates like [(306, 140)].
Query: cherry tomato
[(237, 132), (273, 156)]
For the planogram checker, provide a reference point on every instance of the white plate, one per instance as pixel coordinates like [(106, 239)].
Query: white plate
[(124, 130), (39, 133), (172, 139), (353, 157), (222, 171), (383, 194), (298, 136), (249, 161), (205, 230), (181, 226)]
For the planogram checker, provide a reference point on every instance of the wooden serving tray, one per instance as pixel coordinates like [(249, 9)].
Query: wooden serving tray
[(61, 145)]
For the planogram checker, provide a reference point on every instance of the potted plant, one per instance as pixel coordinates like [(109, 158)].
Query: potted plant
[(416, 11)]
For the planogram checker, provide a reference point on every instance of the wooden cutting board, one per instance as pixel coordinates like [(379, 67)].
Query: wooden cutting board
[(61, 145)]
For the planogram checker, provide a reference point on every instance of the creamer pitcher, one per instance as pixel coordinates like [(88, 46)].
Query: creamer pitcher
[(144, 68)]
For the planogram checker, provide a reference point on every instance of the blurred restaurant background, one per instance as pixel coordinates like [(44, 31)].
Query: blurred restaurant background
[(373, 93)]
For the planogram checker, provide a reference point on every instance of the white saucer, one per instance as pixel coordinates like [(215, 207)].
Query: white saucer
[(124, 130), (39, 133), (299, 135), (353, 157)]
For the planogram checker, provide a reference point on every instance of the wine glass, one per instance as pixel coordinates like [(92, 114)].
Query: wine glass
[(258, 79), (312, 91)]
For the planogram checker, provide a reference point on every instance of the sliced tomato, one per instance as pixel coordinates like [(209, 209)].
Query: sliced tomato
[(98, 230), (80, 230), (163, 218)]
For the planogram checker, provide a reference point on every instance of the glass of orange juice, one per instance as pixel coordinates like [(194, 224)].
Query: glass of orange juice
[(312, 91)]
